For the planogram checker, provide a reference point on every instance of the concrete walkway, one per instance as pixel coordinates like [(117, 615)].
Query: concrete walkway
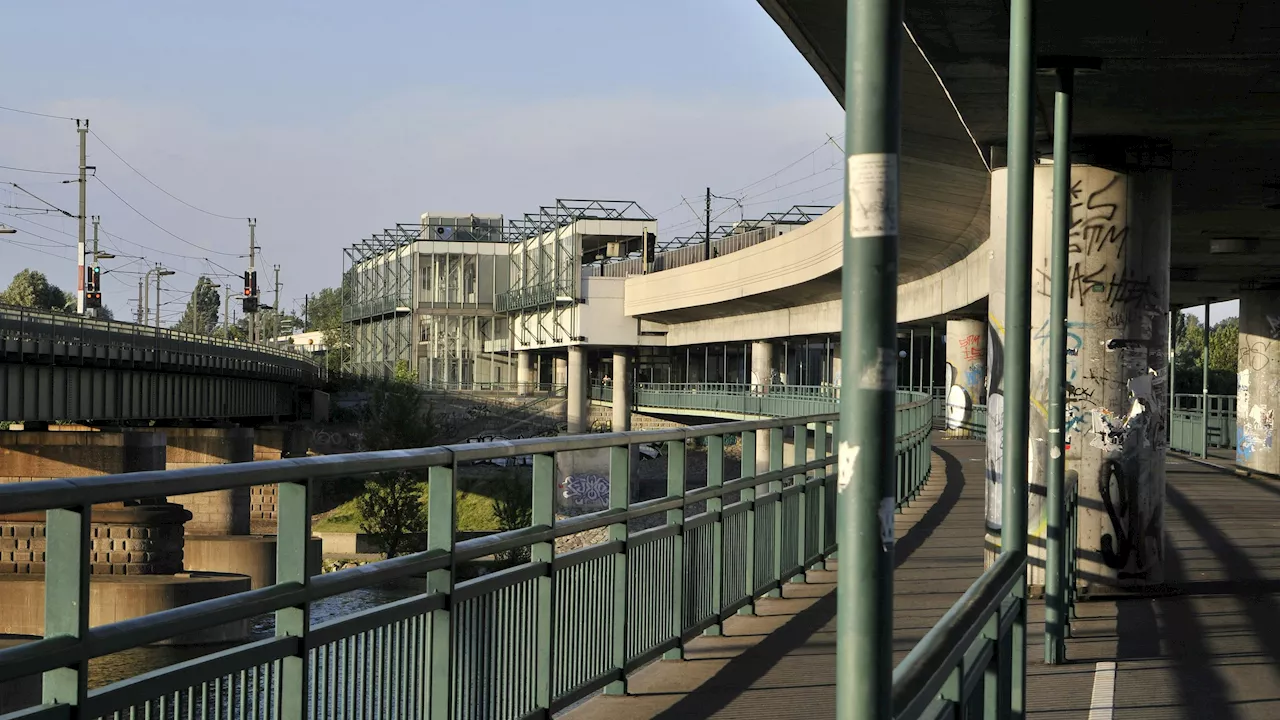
[(781, 663)]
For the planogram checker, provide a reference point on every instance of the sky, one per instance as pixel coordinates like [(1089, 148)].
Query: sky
[(327, 125)]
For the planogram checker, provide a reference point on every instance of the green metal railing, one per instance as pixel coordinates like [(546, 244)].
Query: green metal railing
[(1187, 418), (521, 642), (548, 293)]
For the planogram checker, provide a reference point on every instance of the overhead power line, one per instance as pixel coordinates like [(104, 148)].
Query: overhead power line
[(41, 172), (158, 226), (154, 185), (37, 114)]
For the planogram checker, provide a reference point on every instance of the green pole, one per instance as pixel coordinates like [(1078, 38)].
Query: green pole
[(1055, 649), (1204, 388), (1173, 346), (911, 359), (864, 619), (1017, 341), (931, 367)]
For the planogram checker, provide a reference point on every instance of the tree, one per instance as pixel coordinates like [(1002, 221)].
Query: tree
[(324, 314), (31, 289), (396, 417), (201, 315), (513, 509), (1223, 342)]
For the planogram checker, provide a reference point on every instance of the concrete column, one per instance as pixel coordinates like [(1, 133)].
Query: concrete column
[(1116, 361), (1258, 388), (220, 512), (836, 365), (761, 373), (576, 393), (561, 370), (524, 372), (621, 392), (966, 373)]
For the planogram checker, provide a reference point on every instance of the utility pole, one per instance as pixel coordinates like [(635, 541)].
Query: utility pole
[(226, 313), (253, 317), (83, 129), (706, 245), (276, 303), (140, 305)]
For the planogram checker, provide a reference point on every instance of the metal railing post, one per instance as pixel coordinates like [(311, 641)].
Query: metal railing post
[(544, 514), (777, 452), (66, 600), (1055, 648), (867, 439), (1204, 390), (676, 489), (1017, 341), (293, 565), (748, 495), (442, 519), (715, 506), (619, 499), (820, 453), (800, 438)]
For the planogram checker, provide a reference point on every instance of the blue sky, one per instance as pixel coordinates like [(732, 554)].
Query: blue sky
[(328, 124)]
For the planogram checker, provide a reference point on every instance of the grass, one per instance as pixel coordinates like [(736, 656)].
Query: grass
[(475, 508)]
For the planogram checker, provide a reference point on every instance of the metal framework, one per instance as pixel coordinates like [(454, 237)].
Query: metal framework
[(547, 256)]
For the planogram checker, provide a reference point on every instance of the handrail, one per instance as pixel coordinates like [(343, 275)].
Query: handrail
[(921, 676)]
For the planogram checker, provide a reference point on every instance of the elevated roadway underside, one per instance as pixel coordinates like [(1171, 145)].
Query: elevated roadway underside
[(1205, 78)]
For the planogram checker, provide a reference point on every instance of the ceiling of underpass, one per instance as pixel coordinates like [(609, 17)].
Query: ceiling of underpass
[(1203, 75)]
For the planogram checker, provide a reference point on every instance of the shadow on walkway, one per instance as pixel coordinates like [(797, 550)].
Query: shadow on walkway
[(742, 672)]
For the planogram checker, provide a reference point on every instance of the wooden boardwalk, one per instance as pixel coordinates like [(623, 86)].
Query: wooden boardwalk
[(781, 663)]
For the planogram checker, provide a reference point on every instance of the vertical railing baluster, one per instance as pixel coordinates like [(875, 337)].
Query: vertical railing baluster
[(823, 473), (66, 600), (293, 565), (715, 506), (544, 514), (800, 437), (619, 499), (676, 488), (747, 469), (777, 458), (441, 523)]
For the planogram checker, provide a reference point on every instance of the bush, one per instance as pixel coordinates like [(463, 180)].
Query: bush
[(397, 417), (513, 509), (391, 510)]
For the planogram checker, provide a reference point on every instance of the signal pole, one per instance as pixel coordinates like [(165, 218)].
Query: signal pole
[(706, 241), (276, 304), (253, 317), (140, 304), (83, 129)]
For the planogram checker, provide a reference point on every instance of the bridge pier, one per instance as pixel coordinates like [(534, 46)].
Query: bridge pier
[(761, 378), (1117, 362), (621, 391), (221, 512), (966, 373), (136, 548), (576, 392), (524, 372), (1258, 390)]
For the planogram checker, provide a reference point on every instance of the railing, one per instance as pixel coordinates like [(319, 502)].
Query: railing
[(535, 296), (527, 640), (378, 306), (1187, 418), (962, 667), (738, 399), (509, 388), (679, 257)]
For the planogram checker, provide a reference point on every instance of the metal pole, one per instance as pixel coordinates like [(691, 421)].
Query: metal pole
[(1173, 348), (146, 302), (1017, 341), (253, 317), (158, 270), (864, 619), (931, 367), (83, 129), (276, 332), (1204, 390), (911, 359), (706, 244), (1055, 649), (226, 314), (140, 304)]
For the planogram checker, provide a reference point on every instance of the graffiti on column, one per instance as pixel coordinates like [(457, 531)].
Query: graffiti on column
[(1255, 418), (995, 426)]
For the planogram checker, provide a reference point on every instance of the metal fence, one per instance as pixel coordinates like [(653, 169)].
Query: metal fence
[(524, 641), (1187, 432)]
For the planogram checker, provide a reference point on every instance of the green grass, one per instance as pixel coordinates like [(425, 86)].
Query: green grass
[(475, 508)]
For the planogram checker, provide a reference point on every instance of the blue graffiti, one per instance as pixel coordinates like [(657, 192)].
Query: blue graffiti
[(1075, 342)]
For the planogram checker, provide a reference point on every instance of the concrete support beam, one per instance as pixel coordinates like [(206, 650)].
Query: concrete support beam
[(1258, 389), (966, 373), (621, 392), (761, 378), (576, 393), (524, 372), (1116, 368), (560, 371)]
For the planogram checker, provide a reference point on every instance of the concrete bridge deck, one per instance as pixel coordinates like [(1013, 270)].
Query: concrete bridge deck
[(1209, 648)]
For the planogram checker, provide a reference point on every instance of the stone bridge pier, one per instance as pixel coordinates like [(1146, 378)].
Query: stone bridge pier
[(137, 547)]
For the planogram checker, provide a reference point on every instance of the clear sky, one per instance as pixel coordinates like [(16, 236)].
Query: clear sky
[(327, 123)]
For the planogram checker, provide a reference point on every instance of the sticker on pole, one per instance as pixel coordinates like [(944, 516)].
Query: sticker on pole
[(881, 372), (886, 523), (872, 205)]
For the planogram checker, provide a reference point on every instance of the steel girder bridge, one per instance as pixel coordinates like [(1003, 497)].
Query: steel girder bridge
[(67, 368)]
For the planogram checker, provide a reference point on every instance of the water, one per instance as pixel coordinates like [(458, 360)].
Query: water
[(130, 663)]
